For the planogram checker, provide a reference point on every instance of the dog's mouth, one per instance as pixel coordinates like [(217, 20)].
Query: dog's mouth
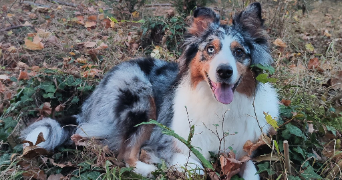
[(223, 92)]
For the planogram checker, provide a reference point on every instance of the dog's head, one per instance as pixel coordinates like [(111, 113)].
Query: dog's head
[(221, 54)]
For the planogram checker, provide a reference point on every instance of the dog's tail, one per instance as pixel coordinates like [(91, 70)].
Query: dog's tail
[(55, 132)]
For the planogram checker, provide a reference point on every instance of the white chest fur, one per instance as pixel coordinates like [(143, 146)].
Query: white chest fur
[(235, 122)]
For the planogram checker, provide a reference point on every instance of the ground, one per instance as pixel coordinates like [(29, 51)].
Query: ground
[(52, 55)]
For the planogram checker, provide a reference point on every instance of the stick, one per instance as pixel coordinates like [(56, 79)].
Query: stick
[(35, 4), (62, 3), (13, 27), (287, 156)]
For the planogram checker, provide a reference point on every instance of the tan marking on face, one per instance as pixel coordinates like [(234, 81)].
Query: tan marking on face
[(247, 84), (235, 45), (199, 25)]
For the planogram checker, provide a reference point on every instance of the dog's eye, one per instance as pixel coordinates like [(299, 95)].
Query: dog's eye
[(239, 53), (210, 49)]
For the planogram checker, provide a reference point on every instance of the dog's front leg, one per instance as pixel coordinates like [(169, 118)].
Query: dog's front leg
[(248, 171)]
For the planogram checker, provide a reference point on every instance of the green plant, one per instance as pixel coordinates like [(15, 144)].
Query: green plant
[(172, 30), (186, 6)]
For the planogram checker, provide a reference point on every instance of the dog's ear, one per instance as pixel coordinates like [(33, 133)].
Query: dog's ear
[(250, 23), (250, 20), (203, 19)]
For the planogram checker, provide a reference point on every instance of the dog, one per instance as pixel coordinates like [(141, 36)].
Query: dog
[(213, 87)]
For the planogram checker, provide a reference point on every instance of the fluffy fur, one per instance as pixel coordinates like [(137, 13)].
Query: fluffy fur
[(212, 85)]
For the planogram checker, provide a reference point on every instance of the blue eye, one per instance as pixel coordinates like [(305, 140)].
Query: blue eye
[(239, 53), (211, 49)]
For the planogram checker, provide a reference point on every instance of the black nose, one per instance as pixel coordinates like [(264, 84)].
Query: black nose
[(224, 71)]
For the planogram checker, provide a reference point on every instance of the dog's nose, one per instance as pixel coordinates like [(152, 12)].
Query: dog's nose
[(224, 71)]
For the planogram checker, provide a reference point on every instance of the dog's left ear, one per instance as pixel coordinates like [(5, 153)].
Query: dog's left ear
[(204, 18), (250, 23), (250, 20)]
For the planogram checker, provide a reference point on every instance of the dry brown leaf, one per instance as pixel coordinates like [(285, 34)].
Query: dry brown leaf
[(336, 82), (35, 173), (43, 34), (36, 44), (100, 16), (46, 109), (33, 151), (280, 43), (32, 16), (89, 24), (23, 75), (315, 64), (102, 46), (35, 68), (81, 60), (55, 177), (249, 147), (22, 65), (2, 87), (60, 108), (326, 33), (106, 23), (230, 166), (89, 44), (79, 140), (92, 18), (80, 20), (286, 102)]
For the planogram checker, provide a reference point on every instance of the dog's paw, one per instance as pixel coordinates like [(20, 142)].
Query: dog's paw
[(144, 169)]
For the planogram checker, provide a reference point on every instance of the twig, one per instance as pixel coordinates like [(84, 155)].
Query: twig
[(62, 3), (14, 27), (35, 4), (287, 156)]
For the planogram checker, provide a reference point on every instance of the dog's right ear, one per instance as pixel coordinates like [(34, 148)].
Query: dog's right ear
[(203, 19)]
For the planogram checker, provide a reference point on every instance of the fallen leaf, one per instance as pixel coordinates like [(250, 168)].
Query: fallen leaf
[(12, 49), (81, 60), (102, 46), (297, 68), (43, 34), (336, 82), (89, 44), (23, 75), (2, 88), (91, 9), (280, 43), (89, 24), (249, 146), (36, 44), (326, 33), (286, 102), (10, 15), (135, 14), (55, 177), (315, 64), (101, 16), (106, 23), (27, 23), (230, 166), (92, 18), (309, 47), (35, 68), (78, 140), (80, 20), (60, 108), (46, 109)]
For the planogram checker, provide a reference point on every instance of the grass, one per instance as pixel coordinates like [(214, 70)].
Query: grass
[(311, 122)]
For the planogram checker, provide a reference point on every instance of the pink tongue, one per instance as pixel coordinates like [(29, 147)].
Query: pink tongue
[(224, 93)]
